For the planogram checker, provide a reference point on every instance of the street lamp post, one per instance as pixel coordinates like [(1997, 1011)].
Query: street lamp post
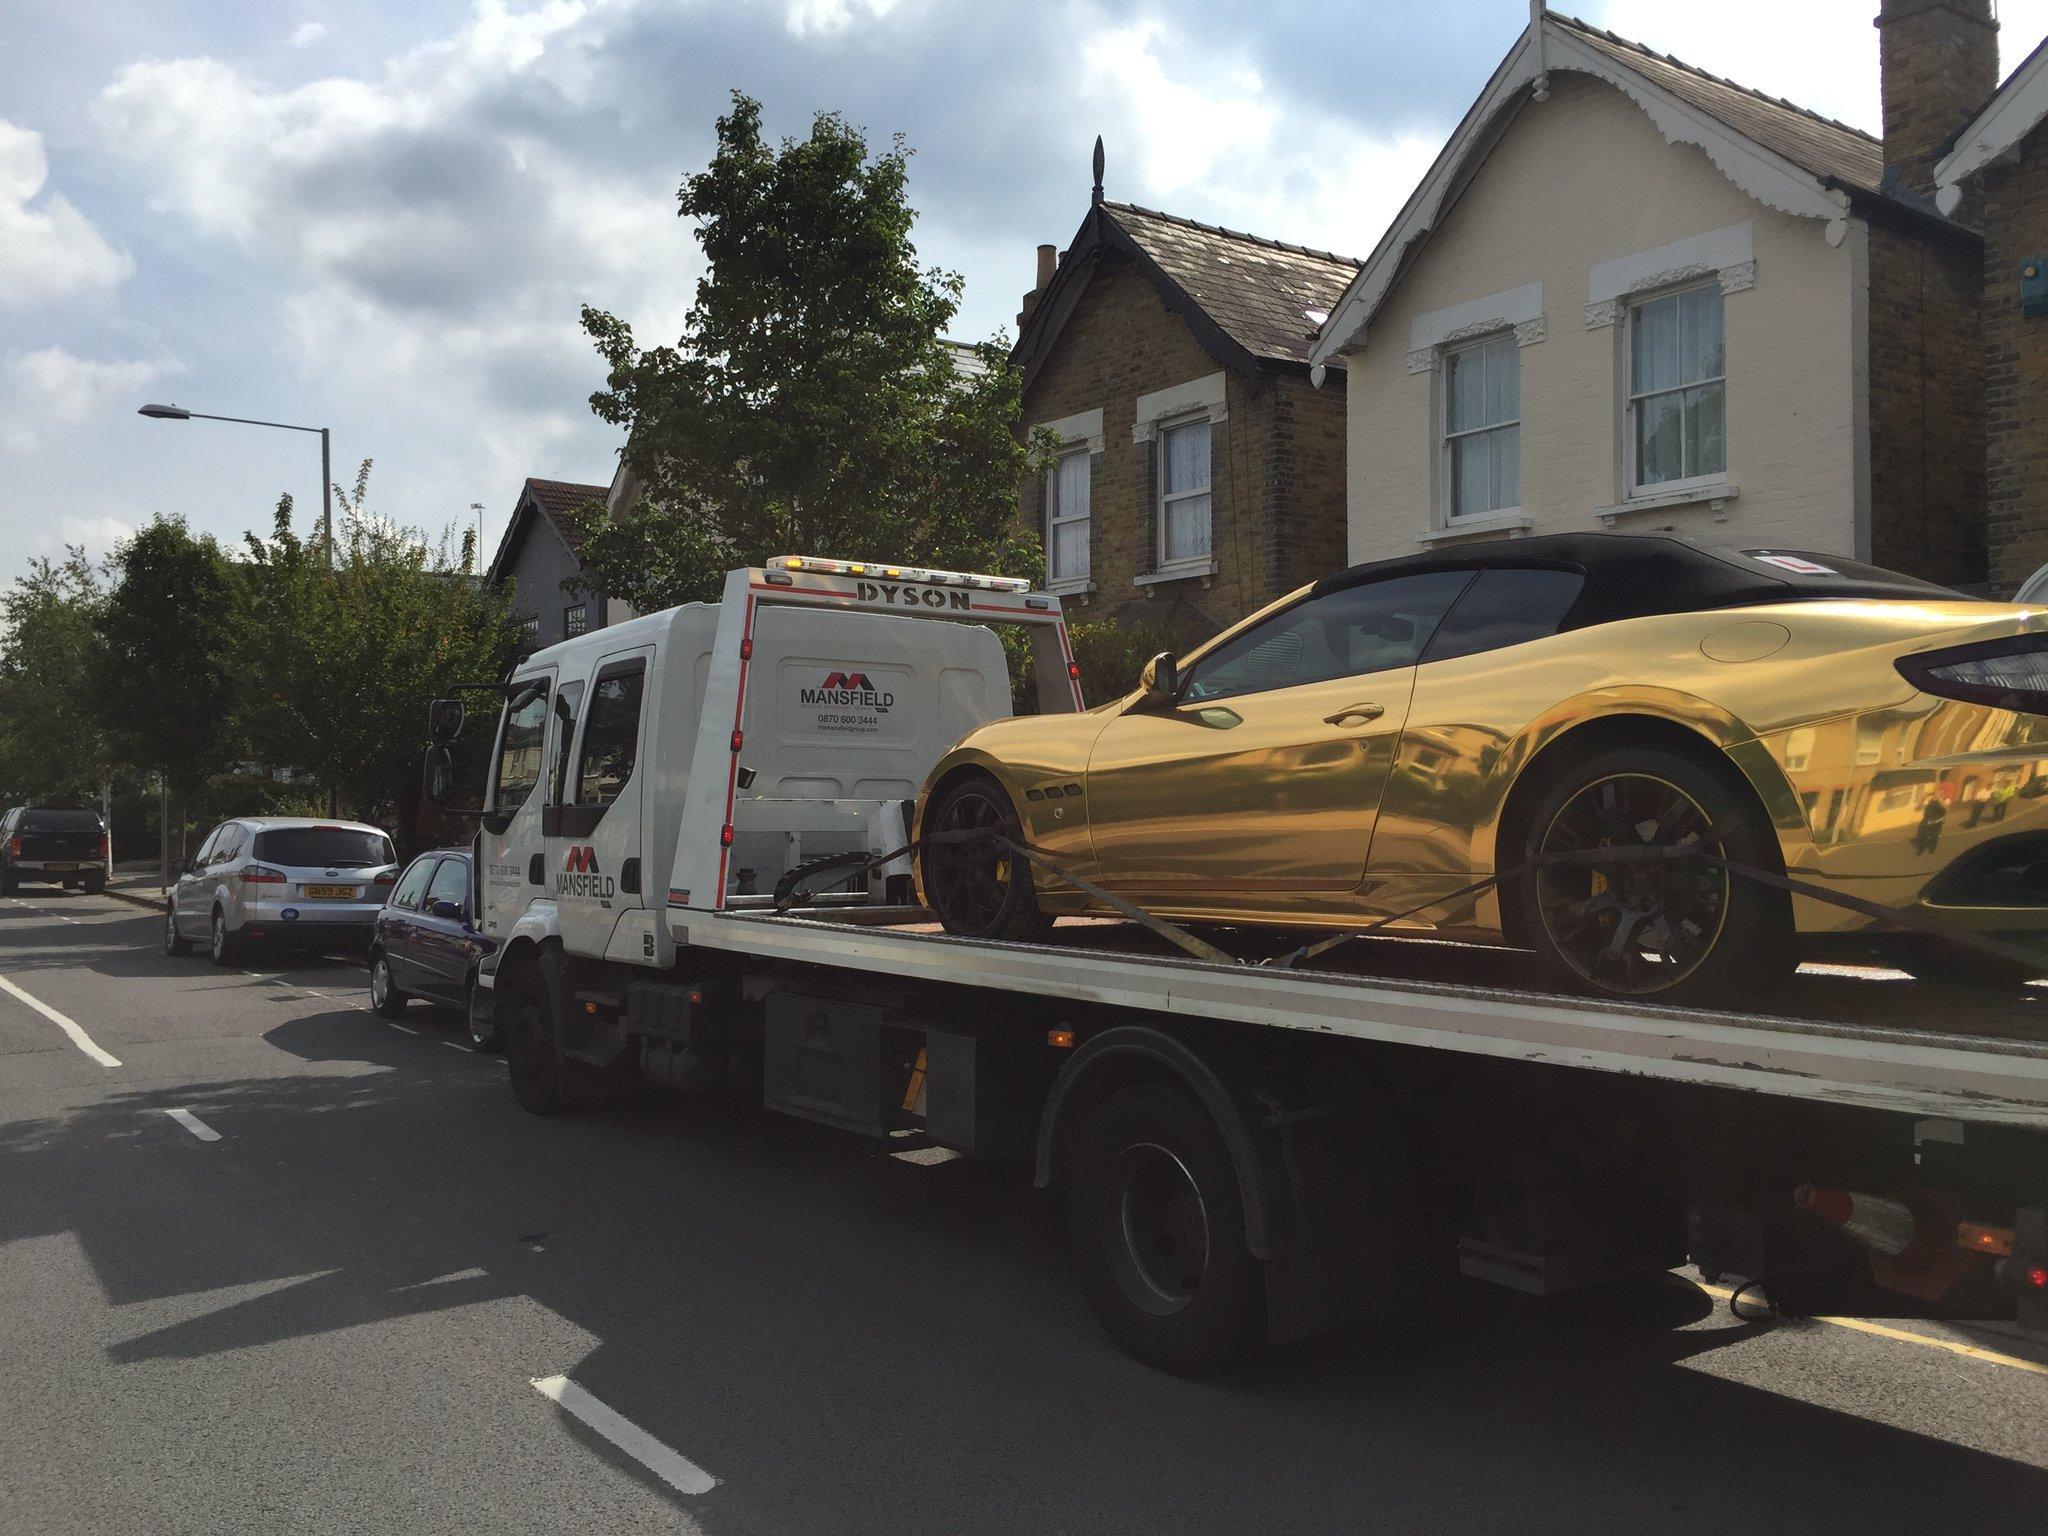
[(179, 413)]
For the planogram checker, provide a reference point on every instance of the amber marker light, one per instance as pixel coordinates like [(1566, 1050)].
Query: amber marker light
[(1060, 1039)]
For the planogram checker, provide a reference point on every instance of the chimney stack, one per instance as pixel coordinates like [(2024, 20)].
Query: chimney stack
[(1938, 61), (1048, 265)]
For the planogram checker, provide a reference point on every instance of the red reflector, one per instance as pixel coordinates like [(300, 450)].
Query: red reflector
[(746, 650), (725, 835), (738, 740), (1074, 670), (1834, 1205), (2037, 1276)]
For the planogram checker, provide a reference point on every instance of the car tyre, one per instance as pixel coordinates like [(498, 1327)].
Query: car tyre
[(1716, 936), (385, 997), (483, 1035), (980, 893), (1156, 1224), (9, 883), (95, 885), (175, 943), (224, 947)]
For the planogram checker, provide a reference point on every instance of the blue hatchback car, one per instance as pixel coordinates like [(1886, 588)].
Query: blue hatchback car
[(425, 943)]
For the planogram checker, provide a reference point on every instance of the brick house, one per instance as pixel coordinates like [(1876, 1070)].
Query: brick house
[(1994, 174), (538, 554), (1631, 295), (1200, 474)]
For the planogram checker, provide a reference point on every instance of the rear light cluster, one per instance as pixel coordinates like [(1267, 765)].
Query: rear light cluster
[(103, 845), (262, 874), (14, 848), (2005, 674)]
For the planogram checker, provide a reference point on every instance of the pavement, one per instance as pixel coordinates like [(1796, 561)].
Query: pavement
[(271, 1264)]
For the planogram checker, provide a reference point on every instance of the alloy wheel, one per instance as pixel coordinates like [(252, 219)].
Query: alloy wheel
[(1635, 926), (971, 881), (380, 982)]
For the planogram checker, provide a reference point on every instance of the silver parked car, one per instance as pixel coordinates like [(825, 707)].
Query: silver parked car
[(283, 880)]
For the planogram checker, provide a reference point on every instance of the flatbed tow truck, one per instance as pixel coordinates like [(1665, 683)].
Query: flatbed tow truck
[(1246, 1153)]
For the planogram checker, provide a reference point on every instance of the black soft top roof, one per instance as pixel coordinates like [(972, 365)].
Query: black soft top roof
[(1635, 575)]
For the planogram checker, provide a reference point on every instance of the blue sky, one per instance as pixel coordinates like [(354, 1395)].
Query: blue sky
[(383, 217)]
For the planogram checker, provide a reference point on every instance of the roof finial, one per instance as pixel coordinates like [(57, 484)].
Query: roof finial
[(1096, 196)]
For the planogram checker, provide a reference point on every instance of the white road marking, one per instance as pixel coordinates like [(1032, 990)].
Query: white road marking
[(194, 1124), (72, 1030), (673, 1468), (929, 1157), (403, 1029), (454, 1047)]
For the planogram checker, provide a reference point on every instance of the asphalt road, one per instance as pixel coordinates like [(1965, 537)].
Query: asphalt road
[(332, 1317)]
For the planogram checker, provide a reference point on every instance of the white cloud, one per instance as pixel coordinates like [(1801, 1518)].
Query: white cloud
[(309, 33), (48, 249), (99, 533), (1213, 137), (52, 387)]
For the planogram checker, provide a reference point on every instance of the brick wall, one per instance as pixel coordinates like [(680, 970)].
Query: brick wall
[(1926, 370), (2015, 211), (1276, 463)]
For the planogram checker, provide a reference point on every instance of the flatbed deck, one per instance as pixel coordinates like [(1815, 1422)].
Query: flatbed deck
[(1855, 1039)]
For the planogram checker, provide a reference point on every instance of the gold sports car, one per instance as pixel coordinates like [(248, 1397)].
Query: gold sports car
[(1373, 744)]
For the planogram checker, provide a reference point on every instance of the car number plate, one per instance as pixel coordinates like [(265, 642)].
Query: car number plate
[(60, 867), (332, 892)]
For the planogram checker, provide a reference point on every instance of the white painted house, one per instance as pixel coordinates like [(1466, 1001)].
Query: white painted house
[(1630, 295)]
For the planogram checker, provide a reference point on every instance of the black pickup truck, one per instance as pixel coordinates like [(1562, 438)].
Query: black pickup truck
[(54, 845)]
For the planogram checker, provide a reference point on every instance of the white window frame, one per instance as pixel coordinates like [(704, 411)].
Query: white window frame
[(1449, 515), (1633, 487), (1068, 581), (1078, 433), (1162, 498)]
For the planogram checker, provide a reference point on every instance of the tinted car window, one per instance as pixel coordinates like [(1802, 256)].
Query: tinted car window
[(1355, 630), (60, 821), (407, 894), (327, 847), (611, 736), (1505, 607), (226, 844), (450, 883)]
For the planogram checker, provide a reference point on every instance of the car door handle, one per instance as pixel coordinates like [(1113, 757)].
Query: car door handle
[(1356, 714)]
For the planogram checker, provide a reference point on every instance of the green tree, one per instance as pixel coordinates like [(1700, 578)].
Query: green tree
[(52, 744), (167, 631), (811, 404), (335, 668)]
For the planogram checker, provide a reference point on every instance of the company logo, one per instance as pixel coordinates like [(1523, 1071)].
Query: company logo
[(913, 597), (580, 876), (847, 690)]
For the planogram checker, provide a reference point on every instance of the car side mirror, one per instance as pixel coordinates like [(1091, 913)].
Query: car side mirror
[(447, 911), (180, 868), (1160, 679), (444, 720)]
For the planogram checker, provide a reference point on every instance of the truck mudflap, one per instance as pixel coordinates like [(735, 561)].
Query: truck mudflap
[(1329, 1198)]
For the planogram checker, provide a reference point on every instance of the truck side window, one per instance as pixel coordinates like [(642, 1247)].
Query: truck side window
[(566, 700), (519, 749), (611, 735)]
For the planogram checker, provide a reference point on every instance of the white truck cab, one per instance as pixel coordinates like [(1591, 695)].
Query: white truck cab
[(689, 759)]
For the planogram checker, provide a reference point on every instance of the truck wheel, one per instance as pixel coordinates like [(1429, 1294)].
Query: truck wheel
[(1677, 931), (175, 943), (95, 885), (9, 884), (980, 891), (384, 994), (1157, 1228), (526, 1023)]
